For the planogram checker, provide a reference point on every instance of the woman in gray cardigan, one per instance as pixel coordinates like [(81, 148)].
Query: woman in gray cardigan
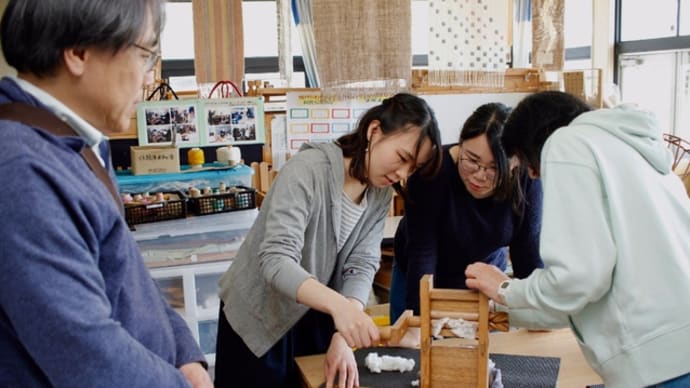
[(301, 278)]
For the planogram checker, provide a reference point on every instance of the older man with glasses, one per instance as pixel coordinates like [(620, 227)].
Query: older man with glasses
[(78, 307)]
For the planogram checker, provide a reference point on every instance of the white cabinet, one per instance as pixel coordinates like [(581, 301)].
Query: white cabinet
[(187, 257), (195, 239), (192, 290)]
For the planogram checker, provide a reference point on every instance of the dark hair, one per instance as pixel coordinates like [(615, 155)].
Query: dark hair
[(36, 32), (534, 119), (399, 113), (488, 120)]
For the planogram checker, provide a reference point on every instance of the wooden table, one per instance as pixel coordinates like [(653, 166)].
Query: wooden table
[(573, 372)]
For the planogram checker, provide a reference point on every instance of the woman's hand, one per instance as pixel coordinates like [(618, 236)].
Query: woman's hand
[(485, 278), (340, 360), (354, 325), (411, 338), (196, 375)]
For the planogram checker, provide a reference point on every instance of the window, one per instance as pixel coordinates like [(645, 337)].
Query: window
[(577, 34), (684, 28), (261, 41), (177, 46), (653, 65), (260, 45), (177, 38), (420, 29), (636, 23), (649, 80)]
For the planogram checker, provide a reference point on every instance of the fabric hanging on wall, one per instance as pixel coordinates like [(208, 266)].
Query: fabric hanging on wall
[(284, 41), (301, 11), (548, 48), (468, 43), (218, 41), (363, 47)]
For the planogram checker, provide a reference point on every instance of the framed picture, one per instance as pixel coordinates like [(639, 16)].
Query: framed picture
[(198, 123), (236, 121), (161, 122)]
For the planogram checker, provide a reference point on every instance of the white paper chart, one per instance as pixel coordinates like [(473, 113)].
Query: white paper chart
[(313, 118)]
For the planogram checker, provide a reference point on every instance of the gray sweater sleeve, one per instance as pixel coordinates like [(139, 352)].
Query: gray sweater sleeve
[(287, 220)]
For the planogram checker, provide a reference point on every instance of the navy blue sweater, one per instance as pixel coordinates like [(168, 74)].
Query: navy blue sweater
[(444, 229), (78, 307)]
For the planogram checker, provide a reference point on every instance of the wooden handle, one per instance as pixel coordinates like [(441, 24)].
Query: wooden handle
[(385, 333), (392, 334)]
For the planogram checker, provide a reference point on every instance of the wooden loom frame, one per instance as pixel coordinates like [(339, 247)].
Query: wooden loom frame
[(451, 361)]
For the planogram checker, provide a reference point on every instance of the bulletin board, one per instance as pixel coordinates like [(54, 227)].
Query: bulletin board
[(312, 118), (201, 122), (315, 118)]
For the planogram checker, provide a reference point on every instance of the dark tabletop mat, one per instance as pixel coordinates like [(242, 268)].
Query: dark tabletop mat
[(516, 371), (386, 379), (527, 371)]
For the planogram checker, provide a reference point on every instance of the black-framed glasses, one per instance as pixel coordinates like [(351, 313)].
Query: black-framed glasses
[(472, 167), (153, 57)]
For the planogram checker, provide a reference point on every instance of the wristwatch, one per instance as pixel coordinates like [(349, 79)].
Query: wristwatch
[(502, 289)]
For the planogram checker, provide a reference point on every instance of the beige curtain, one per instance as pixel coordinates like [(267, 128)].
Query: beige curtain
[(548, 48), (218, 41), (363, 47)]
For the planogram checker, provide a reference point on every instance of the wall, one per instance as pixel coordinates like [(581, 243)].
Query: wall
[(453, 109)]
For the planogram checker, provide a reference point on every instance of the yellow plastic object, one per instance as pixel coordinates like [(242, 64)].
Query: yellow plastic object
[(381, 320), (195, 157)]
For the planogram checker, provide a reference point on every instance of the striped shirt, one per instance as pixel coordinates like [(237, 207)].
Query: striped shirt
[(352, 212)]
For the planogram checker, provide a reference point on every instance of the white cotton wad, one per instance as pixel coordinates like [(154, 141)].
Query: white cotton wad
[(385, 363), (459, 327), (463, 328)]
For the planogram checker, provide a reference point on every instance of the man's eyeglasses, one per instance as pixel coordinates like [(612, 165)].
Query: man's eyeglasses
[(472, 167), (151, 60)]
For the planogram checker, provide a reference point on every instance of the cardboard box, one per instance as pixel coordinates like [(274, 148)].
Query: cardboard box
[(155, 159)]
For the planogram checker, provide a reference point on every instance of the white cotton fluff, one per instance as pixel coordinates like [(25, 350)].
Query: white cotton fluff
[(377, 364), (460, 327), (463, 328)]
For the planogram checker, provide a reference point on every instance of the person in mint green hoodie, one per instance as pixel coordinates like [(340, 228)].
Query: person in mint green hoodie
[(615, 240)]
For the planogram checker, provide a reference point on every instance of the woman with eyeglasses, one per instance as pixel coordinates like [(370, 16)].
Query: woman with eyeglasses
[(478, 208)]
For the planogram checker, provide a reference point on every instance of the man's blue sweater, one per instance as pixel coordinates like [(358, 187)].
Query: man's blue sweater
[(445, 229), (78, 307)]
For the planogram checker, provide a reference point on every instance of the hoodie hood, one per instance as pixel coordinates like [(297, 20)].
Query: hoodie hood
[(638, 129), (334, 154), (332, 151)]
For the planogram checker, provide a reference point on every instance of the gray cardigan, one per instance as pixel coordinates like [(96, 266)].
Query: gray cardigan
[(295, 238)]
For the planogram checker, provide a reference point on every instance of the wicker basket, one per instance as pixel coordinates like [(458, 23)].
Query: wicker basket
[(174, 206), (237, 198)]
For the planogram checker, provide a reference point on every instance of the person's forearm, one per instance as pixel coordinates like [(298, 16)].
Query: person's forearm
[(319, 297), (356, 302)]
